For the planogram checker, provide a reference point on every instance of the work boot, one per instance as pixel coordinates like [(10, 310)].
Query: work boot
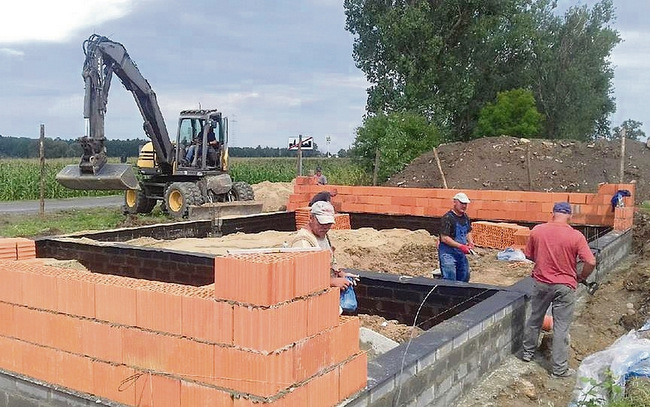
[(526, 357), (567, 373)]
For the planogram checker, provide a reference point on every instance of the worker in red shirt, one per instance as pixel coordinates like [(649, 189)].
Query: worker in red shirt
[(555, 247)]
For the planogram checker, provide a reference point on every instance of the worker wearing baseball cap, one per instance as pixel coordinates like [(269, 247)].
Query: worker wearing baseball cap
[(455, 240), (314, 234), (555, 247)]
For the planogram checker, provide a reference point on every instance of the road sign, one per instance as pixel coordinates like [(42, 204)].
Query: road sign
[(307, 143)]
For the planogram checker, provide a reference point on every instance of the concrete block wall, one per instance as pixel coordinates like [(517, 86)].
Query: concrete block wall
[(437, 367), (267, 333), (516, 206)]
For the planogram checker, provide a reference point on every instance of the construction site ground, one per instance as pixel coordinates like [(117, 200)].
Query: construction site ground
[(493, 163)]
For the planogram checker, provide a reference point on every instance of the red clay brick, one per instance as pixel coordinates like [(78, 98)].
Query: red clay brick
[(193, 395), (39, 291), (115, 304), (312, 273), (74, 372), (158, 311), (7, 325), (346, 338), (157, 391), (268, 329), (323, 390), (67, 333), (76, 297), (11, 355), (102, 341), (323, 311), (313, 355), (114, 382), (33, 325), (258, 374), (353, 375), (192, 360), (207, 319), (39, 362)]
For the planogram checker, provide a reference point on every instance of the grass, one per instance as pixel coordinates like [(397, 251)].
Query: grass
[(70, 221)]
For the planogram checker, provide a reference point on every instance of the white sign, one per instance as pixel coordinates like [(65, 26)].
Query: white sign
[(307, 143)]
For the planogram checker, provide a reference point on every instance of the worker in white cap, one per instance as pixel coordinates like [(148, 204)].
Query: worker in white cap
[(455, 240)]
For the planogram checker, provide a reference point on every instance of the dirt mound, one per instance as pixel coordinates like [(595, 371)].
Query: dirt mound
[(274, 195), (557, 166)]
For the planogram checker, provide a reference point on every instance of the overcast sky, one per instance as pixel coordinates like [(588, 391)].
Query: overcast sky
[(277, 68)]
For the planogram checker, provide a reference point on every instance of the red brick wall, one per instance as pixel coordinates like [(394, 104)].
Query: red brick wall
[(513, 206), (267, 332)]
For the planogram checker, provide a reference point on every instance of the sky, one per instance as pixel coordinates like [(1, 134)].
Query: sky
[(276, 68)]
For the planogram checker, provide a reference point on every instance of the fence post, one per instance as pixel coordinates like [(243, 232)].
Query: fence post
[(41, 154)]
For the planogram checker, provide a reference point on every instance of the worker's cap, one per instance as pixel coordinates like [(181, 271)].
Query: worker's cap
[(461, 197), (562, 207), (323, 211), (318, 169)]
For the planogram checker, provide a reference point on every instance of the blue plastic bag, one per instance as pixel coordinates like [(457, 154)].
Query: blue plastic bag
[(349, 298)]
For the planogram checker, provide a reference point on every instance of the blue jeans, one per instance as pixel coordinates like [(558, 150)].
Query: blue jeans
[(454, 265)]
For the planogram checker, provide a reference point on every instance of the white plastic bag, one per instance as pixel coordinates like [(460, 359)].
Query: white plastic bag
[(628, 357), (511, 254)]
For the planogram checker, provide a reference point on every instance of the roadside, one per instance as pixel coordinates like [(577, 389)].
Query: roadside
[(29, 207)]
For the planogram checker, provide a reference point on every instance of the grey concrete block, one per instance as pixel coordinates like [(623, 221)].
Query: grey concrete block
[(381, 390), (32, 390), (460, 339)]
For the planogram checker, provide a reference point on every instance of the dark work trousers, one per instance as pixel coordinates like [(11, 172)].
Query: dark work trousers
[(563, 299)]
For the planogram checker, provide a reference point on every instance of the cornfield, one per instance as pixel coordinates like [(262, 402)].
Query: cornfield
[(20, 178)]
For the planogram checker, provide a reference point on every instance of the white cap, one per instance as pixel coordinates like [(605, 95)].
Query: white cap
[(462, 198), (324, 212)]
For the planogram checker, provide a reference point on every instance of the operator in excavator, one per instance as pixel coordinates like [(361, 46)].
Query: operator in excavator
[(213, 149)]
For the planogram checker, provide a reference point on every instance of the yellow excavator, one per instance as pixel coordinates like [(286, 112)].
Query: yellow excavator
[(193, 170)]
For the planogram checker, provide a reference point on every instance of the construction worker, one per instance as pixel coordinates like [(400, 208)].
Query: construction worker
[(323, 196), (314, 234), (554, 247), (320, 178), (455, 241)]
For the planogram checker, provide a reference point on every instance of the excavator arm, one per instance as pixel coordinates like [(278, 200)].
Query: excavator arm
[(104, 58)]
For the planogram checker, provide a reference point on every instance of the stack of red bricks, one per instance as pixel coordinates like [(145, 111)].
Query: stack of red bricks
[(267, 333), (342, 220), (498, 235), (521, 238), (17, 248)]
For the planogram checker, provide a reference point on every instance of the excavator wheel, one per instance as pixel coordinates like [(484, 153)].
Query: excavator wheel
[(136, 201), (241, 191), (179, 196)]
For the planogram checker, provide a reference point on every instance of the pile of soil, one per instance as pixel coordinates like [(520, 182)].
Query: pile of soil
[(555, 166), (273, 195)]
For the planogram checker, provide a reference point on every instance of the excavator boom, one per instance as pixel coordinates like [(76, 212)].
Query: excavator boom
[(104, 58)]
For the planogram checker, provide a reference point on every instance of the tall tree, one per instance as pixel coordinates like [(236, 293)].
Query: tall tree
[(572, 75), (446, 59)]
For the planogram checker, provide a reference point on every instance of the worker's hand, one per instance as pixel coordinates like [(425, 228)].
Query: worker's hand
[(353, 277), (464, 248), (471, 245), (341, 282)]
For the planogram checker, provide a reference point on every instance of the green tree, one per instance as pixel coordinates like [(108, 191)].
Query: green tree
[(571, 72), (513, 114), (399, 138), (632, 130), (447, 59)]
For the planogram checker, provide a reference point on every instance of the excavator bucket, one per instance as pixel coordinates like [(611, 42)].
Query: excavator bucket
[(109, 177)]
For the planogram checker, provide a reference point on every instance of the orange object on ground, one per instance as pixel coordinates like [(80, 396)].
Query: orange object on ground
[(547, 325)]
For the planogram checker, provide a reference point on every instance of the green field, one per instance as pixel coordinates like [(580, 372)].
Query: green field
[(20, 178)]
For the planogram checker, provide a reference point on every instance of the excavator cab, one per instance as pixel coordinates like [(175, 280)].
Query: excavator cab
[(201, 141)]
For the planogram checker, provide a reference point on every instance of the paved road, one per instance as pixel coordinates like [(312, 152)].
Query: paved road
[(52, 205)]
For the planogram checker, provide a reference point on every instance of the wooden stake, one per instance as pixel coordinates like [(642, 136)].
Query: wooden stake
[(442, 174), (530, 176), (41, 154), (375, 171), (622, 167)]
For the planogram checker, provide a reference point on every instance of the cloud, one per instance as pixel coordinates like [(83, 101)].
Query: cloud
[(55, 21), (11, 52)]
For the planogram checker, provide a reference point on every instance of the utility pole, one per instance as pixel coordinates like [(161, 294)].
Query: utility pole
[(41, 154), (300, 155), (328, 139)]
